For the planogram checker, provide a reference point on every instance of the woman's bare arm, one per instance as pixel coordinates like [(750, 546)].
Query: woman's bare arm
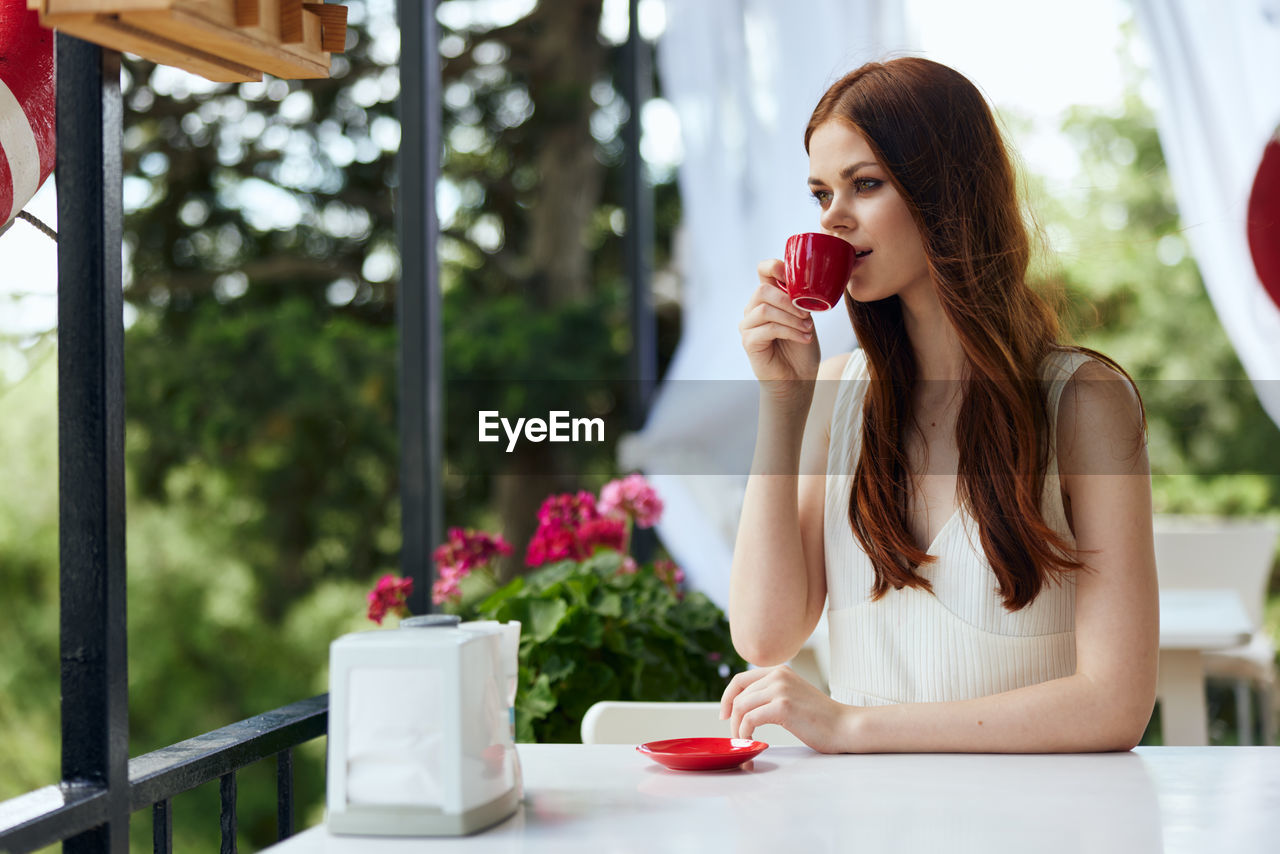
[(778, 584)]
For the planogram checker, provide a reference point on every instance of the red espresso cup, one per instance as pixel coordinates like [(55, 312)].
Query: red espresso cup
[(818, 269)]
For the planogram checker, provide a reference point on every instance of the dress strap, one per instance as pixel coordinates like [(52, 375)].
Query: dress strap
[(846, 415), (1057, 371), (853, 387)]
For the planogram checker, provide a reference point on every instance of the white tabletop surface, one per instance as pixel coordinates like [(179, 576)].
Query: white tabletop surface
[(608, 798)]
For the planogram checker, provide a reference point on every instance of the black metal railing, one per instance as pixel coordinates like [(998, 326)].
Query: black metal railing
[(54, 813)]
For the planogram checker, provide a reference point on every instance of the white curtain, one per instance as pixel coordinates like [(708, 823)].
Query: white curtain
[(1217, 71), (743, 76)]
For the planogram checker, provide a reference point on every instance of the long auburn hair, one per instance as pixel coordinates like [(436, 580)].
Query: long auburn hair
[(932, 131)]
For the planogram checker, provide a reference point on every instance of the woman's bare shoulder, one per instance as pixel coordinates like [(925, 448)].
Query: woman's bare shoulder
[(832, 368), (827, 389), (1101, 428)]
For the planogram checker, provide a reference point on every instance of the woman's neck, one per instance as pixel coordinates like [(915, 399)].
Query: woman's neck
[(939, 354)]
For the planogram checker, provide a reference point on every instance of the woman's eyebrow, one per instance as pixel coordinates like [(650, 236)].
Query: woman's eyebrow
[(846, 173)]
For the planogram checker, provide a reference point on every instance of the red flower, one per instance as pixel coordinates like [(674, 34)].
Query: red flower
[(465, 550), (568, 510), (551, 544), (389, 596), (570, 527), (604, 533)]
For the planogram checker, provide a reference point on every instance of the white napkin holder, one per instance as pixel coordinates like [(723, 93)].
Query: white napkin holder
[(420, 739)]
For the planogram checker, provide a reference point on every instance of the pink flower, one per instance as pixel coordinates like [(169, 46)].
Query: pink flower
[(446, 587), (669, 573), (633, 497), (629, 566), (462, 552), (390, 595)]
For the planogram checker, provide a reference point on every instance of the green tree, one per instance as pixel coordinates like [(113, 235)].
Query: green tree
[(261, 368), (1133, 291), (261, 371)]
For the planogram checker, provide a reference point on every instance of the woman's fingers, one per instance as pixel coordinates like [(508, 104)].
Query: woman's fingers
[(767, 320), (770, 711), (763, 312), (779, 338), (753, 696), (773, 286), (774, 293), (750, 709), (736, 686), (773, 271), (760, 338)]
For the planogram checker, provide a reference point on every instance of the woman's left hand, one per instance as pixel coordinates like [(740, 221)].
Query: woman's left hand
[(779, 695)]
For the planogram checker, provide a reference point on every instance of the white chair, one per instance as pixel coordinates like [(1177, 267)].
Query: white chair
[(635, 722), (1198, 553)]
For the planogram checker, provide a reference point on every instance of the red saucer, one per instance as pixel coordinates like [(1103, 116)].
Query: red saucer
[(702, 754)]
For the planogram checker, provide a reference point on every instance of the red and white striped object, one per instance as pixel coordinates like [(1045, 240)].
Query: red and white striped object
[(26, 106)]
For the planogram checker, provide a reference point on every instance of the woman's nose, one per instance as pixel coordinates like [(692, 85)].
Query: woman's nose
[(837, 217)]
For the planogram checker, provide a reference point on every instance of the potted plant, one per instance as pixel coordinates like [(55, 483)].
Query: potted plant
[(597, 625)]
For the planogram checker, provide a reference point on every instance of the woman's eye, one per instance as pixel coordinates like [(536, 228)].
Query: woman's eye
[(821, 196), (864, 185)]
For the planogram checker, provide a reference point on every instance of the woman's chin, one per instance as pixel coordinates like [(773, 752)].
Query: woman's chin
[(862, 293)]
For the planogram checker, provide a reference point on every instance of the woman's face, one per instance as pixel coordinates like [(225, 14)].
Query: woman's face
[(861, 207)]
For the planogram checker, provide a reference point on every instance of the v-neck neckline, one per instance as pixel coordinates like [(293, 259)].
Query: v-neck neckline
[(945, 527)]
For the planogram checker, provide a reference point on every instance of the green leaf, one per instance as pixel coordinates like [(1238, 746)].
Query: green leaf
[(544, 617), (609, 605), (489, 605), (540, 700), (586, 628), (557, 667)]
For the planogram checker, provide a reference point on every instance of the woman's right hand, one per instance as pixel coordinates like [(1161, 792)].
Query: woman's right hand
[(779, 338)]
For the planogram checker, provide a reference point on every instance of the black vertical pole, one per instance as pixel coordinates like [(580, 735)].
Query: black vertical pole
[(162, 827), (418, 301), (638, 245), (284, 794), (227, 814), (95, 700)]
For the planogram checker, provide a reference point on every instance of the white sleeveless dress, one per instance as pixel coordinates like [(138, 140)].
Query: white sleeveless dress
[(958, 642)]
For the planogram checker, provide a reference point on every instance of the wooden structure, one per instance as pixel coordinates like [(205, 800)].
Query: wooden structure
[(223, 40)]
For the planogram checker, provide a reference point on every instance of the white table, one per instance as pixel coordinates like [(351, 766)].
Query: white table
[(1192, 622), (608, 798)]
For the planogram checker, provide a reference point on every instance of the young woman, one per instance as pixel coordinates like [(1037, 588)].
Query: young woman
[(969, 498)]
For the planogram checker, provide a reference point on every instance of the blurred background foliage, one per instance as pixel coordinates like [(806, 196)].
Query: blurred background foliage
[(261, 377), (1132, 290)]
